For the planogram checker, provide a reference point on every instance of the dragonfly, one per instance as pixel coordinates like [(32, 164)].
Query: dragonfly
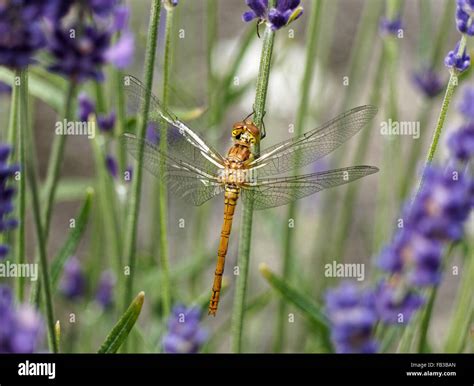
[(193, 170)]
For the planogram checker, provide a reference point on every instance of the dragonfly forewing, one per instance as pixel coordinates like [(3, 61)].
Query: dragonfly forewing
[(272, 192), (313, 145)]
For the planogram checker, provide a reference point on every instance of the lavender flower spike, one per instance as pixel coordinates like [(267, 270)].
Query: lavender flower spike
[(457, 62), (73, 282), (184, 335), (351, 311), (284, 13)]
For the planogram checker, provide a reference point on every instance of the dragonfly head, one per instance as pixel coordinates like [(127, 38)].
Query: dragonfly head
[(245, 133)]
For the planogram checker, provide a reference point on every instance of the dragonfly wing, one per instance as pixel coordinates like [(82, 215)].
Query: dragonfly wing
[(181, 140), (272, 192), (184, 179), (313, 145)]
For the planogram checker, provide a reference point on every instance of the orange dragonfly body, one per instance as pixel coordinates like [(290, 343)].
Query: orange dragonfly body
[(195, 171)]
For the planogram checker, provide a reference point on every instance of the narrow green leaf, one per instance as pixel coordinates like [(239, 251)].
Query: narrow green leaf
[(123, 327), (72, 189), (306, 305), (40, 87), (73, 239)]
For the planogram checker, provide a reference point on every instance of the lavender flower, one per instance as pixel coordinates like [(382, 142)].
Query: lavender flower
[(461, 143), (285, 12), (457, 61), (7, 222), (351, 311), (395, 304), (105, 291), (184, 335), (428, 82), (442, 205), (464, 11), (390, 26), (413, 255), (79, 57), (22, 327), (466, 107), (86, 107), (122, 53), (21, 35), (73, 282), (111, 165), (106, 123)]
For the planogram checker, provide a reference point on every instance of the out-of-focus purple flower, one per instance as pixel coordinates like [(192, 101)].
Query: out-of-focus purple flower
[(466, 107), (121, 53), (105, 291), (111, 165), (184, 335), (413, 255), (86, 107), (285, 12), (21, 35), (464, 12), (79, 52), (395, 304), (73, 281), (461, 142), (457, 62), (106, 123), (428, 82), (442, 205), (351, 311), (121, 18), (5, 88), (390, 26), (7, 222), (22, 327), (152, 134)]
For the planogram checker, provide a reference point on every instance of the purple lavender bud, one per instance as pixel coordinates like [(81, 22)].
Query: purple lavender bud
[(184, 335), (466, 107), (5, 88), (442, 205), (111, 165), (459, 63), (7, 222), (428, 82), (396, 305), (121, 53), (21, 35), (106, 123), (258, 10), (121, 18), (464, 11), (105, 291), (285, 12), (73, 281), (79, 55), (86, 107), (390, 27), (461, 143), (351, 311), (152, 134), (22, 327)]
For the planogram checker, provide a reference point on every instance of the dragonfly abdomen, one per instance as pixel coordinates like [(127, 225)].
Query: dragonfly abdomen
[(231, 196)]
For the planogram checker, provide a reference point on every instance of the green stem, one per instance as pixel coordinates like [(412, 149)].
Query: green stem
[(288, 239), (122, 119), (162, 189), (55, 163), (132, 216), (13, 122), (40, 232), (247, 214), (20, 238)]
